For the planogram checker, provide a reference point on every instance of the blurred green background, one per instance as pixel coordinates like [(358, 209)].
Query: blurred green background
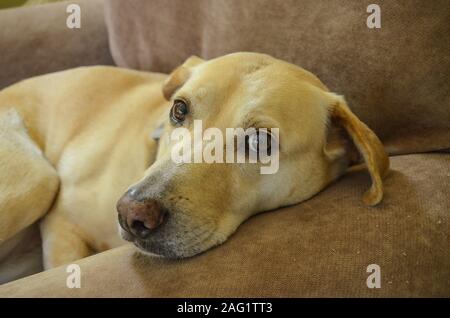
[(4, 4)]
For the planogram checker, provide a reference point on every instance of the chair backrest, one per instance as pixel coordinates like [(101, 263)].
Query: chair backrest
[(395, 78)]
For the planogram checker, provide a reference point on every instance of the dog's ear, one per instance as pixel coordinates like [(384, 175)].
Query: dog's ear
[(179, 76), (349, 141)]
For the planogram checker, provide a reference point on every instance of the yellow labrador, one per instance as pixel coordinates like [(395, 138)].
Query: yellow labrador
[(73, 143)]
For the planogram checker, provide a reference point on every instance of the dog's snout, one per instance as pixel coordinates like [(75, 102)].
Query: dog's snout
[(139, 217)]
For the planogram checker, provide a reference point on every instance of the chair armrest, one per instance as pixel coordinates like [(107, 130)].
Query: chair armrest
[(319, 248), (35, 40)]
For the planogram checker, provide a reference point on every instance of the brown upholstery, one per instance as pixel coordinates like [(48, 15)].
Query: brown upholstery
[(321, 247), (36, 40), (394, 78), (396, 81)]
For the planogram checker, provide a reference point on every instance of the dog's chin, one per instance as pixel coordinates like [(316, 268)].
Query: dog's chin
[(175, 242), (146, 252), (170, 251), (149, 248)]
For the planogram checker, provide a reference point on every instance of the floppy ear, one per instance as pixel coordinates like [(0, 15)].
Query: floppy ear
[(179, 76), (361, 142)]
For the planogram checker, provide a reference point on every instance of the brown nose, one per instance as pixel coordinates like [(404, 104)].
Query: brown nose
[(138, 217)]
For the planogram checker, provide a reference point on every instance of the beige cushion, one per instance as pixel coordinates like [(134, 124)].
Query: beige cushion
[(321, 247), (36, 40), (395, 78)]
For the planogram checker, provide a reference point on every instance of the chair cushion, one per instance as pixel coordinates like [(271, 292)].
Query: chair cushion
[(321, 247), (395, 78), (36, 40)]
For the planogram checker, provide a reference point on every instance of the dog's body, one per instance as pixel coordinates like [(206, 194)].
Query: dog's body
[(88, 138), (89, 124)]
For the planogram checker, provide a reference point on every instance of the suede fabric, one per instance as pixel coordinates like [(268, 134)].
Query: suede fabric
[(35, 40), (321, 247), (394, 78)]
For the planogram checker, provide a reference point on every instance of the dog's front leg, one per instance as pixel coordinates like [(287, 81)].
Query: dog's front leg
[(28, 182), (63, 241)]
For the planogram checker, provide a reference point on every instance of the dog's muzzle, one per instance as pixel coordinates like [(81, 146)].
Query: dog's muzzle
[(161, 227)]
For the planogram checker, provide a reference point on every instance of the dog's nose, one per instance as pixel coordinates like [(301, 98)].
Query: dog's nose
[(139, 217)]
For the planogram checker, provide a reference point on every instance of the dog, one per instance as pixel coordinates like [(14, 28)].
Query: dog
[(78, 157)]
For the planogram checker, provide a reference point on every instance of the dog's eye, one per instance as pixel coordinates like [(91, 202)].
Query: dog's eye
[(260, 141), (178, 111)]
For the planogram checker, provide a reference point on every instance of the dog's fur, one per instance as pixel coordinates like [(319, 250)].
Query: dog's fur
[(71, 143)]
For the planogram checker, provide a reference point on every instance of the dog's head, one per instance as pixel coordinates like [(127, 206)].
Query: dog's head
[(181, 209)]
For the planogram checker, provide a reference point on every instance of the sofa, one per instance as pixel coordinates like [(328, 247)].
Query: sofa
[(395, 79)]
